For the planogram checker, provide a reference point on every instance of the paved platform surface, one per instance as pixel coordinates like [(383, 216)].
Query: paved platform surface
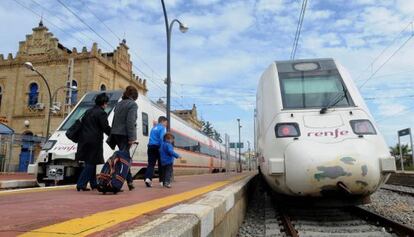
[(62, 211)]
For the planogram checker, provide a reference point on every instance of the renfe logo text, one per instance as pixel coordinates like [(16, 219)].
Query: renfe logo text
[(336, 133)]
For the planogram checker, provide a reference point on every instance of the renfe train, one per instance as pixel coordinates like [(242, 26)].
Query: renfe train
[(200, 154), (315, 136)]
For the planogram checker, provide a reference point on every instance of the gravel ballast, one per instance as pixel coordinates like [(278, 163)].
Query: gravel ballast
[(254, 221), (398, 207)]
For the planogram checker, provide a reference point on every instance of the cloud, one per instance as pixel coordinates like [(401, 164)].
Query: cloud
[(230, 43), (270, 5)]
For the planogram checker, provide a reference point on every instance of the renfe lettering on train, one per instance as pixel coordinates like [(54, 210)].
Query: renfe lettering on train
[(336, 133)]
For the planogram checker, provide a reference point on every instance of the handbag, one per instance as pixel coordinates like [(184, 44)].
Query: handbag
[(74, 132), (111, 142)]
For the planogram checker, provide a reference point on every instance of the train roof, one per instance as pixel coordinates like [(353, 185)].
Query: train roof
[(90, 96), (305, 65), (304, 60)]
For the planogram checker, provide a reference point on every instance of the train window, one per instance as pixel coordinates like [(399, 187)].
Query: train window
[(313, 90), (88, 102), (145, 128), (189, 144), (186, 143)]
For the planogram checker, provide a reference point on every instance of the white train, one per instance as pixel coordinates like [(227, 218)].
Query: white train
[(315, 136), (201, 154)]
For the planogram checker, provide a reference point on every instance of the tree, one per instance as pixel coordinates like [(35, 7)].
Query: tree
[(217, 136), (395, 151), (208, 129)]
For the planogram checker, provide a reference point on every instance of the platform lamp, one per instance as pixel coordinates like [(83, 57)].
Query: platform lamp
[(239, 146), (29, 66), (168, 29)]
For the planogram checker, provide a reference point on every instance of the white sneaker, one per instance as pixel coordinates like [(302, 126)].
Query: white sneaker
[(148, 182), (161, 184)]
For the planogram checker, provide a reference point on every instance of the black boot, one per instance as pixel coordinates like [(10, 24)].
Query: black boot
[(131, 186)]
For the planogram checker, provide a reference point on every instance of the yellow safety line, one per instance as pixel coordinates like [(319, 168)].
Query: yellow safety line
[(102, 220), (35, 190)]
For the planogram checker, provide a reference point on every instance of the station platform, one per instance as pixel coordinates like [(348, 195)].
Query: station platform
[(62, 211), (17, 180)]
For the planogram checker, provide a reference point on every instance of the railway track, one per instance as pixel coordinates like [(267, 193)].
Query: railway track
[(399, 189), (316, 221)]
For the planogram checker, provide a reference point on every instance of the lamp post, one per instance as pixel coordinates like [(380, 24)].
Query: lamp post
[(73, 88), (239, 145), (168, 30), (248, 150), (29, 66)]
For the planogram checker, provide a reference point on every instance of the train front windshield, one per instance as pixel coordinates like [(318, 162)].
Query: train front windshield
[(88, 102), (317, 88)]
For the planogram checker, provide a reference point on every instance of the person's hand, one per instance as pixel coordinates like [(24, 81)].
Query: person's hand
[(133, 142)]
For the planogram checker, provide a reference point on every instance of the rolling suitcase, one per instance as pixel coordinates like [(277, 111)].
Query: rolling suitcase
[(114, 172)]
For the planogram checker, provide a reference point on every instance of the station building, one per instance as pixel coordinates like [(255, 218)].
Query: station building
[(24, 99)]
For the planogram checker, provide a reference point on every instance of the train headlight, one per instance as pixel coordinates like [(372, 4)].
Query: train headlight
[(287, 130), (362, 127)]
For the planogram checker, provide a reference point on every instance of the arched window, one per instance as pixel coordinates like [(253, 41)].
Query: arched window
[(103, 87), (1, 94), (33, 94), (74, 92)]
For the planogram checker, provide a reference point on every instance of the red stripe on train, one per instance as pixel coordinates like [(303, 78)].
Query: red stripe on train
[(139, 164)]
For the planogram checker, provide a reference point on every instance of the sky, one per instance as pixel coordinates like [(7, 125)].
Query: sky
[(218, 62)]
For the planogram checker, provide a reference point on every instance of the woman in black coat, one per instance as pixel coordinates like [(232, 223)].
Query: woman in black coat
[(90, 145)]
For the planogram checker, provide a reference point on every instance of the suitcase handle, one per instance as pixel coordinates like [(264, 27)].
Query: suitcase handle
[(135, 149)]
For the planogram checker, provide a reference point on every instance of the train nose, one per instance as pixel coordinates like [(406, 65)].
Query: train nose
[(316, 169)]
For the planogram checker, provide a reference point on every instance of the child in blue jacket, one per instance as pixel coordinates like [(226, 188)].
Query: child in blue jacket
[(167, 158)]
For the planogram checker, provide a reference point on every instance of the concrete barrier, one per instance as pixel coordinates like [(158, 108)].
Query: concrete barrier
[(218, 213), (7, 184)]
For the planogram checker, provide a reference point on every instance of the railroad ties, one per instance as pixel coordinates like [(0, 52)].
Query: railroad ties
[(284, 220)]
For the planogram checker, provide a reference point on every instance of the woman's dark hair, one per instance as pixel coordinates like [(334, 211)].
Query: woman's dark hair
[(101, 99), (162, 119), (130, 93)]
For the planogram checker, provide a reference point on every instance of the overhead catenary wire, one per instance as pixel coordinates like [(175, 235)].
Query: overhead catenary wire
[(119, 38), (62, 20), (298, 29), (46, 19), (370, 65), (86, 24), (155, 82), (387, 60), (106, 41), (397, 113)]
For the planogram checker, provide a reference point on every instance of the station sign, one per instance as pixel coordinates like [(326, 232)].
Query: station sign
[(236, 145), (404, 132)]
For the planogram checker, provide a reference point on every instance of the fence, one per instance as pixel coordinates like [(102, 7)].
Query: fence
[(17, 151)]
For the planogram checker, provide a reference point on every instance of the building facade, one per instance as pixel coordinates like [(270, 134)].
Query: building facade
[(24, 98), (190, 116)]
